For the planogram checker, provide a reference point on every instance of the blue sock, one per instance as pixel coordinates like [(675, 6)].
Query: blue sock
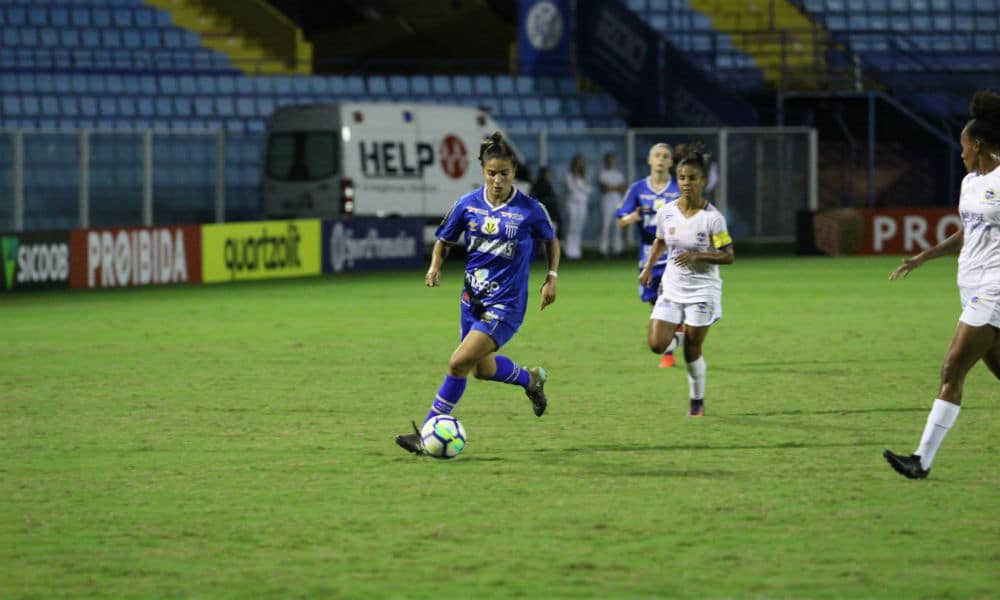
[(447, 397), (508, 372)]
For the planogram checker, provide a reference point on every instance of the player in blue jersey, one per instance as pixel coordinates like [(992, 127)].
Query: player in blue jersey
[(643, 199), (501, 225)]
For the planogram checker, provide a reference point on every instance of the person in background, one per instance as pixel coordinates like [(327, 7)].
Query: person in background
[(501, 226), (542, 190), (576, 206), (693, 235), (643, 199), (977, 336), (611, 183)]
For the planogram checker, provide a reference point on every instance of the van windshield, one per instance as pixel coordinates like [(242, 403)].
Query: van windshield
[(301, 155)]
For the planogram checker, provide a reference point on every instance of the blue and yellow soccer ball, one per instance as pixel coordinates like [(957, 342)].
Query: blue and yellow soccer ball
[(443, 437)]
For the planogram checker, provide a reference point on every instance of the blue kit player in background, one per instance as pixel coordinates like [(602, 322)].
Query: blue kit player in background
[(643, 199), (501, 227)]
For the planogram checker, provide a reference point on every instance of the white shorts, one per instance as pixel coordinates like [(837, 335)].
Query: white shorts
[(980, 306), (695, 314)]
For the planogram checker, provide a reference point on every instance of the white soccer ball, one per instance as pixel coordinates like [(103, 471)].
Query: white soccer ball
[(443, 436)]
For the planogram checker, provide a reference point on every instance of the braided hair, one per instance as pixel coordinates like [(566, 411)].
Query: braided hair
[(985, 122)]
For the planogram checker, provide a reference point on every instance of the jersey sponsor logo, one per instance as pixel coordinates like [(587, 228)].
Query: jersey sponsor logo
[(479, 281), (544, 25), (491, 225), (510, 230), (512, 215), (497, 247)]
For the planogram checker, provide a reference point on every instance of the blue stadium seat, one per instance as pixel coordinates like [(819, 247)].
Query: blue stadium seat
[(164, 106), (483, 85), (441, 84), (206, 84), (399, 85), (504, 85), (224, 107), (145, 106), (420, 85), (462, 85), (69, 106), (245, 107), (532, 106), (300, 85), (510, 107), (11, 106)]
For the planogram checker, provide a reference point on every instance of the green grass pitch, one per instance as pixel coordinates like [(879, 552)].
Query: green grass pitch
[(236, 441)]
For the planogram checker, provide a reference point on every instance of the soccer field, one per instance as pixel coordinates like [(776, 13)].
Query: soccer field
[(236, 441)]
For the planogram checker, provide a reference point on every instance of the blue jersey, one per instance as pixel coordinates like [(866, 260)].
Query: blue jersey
[(499, 243), (640, 195)]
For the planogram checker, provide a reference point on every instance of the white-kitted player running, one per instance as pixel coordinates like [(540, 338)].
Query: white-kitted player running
[(694, 234), (977, 336)]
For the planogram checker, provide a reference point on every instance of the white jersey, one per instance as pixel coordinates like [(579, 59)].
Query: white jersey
[(979, 207), (704, 230), (611, 178)]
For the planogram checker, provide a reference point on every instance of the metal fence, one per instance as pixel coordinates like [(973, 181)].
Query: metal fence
[(765, 175), (81, 178), (88, 178)]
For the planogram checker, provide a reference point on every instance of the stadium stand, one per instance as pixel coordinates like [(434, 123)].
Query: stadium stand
[(121, 64)]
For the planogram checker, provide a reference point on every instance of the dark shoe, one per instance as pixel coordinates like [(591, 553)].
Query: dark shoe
[(697, 408), (907, 466), (411, 442), (536, 390)]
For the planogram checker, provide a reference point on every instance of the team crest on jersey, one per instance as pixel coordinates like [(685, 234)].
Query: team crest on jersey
[(658, 203), (672, 231), (491, 225), (702, 236), (991, 196)]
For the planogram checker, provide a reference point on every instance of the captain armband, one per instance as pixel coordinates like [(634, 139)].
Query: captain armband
[(721, 240)]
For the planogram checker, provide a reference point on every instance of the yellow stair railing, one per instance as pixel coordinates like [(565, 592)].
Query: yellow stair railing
[(257, 37), (774, 32)]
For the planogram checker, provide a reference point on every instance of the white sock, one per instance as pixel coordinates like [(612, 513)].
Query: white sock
[(696, 378), (942, 417), (675, 343)]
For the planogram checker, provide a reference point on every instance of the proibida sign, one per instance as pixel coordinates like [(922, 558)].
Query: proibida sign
[(35, 260), (135, 256)]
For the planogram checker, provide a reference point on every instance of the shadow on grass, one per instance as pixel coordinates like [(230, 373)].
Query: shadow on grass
[(837, 411), (676, 447)]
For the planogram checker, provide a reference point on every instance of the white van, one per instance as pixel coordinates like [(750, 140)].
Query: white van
[(371, 159)]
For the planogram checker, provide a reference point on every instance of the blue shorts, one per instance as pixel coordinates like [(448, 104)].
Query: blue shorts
[(649, 293), (495, 322)]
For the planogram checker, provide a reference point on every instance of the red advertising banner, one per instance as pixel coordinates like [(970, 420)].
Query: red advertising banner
[(907, 230), (135, 256), (883, 230)]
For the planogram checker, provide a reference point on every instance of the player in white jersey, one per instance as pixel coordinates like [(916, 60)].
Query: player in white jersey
[(695, 236), (977, 336)]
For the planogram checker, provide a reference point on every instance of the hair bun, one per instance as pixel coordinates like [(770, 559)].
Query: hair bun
[(985, 105)]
